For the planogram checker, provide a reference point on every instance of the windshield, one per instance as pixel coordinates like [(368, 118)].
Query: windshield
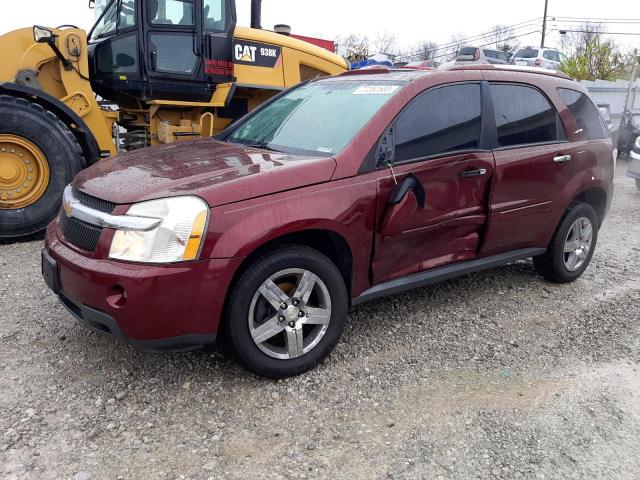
[(318, 119)]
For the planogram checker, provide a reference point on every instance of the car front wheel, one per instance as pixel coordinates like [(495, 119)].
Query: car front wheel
[(287, 312)]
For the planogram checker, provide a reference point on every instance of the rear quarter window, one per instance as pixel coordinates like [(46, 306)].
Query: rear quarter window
[(584, 112)]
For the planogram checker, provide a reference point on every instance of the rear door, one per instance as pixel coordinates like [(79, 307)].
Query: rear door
[(533, 163), (440, 152)]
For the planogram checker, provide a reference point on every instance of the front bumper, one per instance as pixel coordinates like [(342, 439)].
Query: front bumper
[(633, 170), (154, 307)]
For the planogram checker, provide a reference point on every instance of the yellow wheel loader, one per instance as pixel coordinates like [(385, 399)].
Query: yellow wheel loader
[(148, 72)]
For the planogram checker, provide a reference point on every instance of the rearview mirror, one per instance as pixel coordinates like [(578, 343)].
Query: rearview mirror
[(42, 34)]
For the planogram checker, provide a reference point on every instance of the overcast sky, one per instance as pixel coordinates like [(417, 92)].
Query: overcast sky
[(411, 21)]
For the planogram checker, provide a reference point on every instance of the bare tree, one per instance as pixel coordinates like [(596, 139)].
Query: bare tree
[(501, 37), (385, 43), (456, 41), (426, 50), (354, 47)]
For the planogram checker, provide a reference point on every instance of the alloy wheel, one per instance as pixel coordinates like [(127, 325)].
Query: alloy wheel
[(290, 314), (578, 244)]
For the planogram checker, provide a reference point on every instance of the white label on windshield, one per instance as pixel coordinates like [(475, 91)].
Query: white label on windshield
[(376, 90)]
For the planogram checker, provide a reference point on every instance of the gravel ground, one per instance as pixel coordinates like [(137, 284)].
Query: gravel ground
[(494, 375)]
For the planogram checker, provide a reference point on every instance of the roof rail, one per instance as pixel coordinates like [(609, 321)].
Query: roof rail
[(514, 68), (370, 71)]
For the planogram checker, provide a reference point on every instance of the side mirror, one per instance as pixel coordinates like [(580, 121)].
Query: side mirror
[(404, 201), (92, 3), (385, 152), (42, 34), (124, 60)]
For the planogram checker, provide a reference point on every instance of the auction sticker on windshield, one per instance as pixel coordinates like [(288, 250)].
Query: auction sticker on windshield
[(376, 89)]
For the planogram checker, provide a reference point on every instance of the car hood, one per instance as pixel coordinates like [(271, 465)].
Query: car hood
[(218, 172)]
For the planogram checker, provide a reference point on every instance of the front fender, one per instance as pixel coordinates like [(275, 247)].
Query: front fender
[(346, 208)]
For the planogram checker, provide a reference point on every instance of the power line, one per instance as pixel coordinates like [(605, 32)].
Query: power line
[(475, 38)]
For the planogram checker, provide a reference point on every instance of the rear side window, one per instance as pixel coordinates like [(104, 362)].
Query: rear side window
[(443, 120), (584, 112), (524, 116), (527, 53)]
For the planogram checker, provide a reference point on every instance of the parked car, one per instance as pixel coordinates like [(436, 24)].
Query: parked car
[(422, 65), (539, 57), (633, 169), (334, 193), (481, 56), (614, 131)]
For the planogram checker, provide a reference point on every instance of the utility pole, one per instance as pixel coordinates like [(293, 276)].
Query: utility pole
[(544, 23), (626, 100)]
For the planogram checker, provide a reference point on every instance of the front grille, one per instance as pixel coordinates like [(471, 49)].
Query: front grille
[(81, 234), (78, 233), (93, 202)]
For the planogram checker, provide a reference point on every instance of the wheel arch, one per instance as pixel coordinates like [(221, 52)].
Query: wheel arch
[(597, 198), (77, 126), (328, 242)]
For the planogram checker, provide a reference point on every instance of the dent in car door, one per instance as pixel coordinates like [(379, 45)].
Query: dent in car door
[(437, 140)]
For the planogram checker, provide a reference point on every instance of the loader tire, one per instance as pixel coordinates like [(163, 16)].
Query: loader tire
[(39, 156)]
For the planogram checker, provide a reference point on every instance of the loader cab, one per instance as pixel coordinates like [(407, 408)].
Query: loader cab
[(174, 50)]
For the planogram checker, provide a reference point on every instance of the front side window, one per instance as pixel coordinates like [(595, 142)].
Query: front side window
[(121, 14), (319, 118), (171, 12), (443, 120), (108, 23), (524, 116), (584, 112), (119, 55)]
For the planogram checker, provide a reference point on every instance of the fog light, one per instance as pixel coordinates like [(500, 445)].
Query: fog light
[(117, 297)]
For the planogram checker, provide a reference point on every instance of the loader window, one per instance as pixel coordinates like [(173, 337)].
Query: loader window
[(215, 15), (108, 24), (171, 12)]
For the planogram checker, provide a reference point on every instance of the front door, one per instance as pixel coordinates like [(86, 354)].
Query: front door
[(440, 153), (179, 35)]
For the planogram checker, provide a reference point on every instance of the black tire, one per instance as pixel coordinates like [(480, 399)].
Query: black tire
[(551, 265), (237, 333), (25, 119)]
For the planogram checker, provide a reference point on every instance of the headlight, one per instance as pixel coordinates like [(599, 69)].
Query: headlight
[(638, 142), (178, 238)]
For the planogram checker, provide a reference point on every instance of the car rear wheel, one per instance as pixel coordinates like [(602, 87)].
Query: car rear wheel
[(287, 312), (572, 246)]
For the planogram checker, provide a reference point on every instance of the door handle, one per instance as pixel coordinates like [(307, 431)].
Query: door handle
[(562, 159), (473, 173)]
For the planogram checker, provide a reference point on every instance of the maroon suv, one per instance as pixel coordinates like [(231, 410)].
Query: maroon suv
[(336, 192)]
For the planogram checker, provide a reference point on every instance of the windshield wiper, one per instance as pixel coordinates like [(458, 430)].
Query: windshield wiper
[(260, 145)]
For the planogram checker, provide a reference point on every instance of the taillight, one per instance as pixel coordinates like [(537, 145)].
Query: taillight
[(476, 56), (538, 62)]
